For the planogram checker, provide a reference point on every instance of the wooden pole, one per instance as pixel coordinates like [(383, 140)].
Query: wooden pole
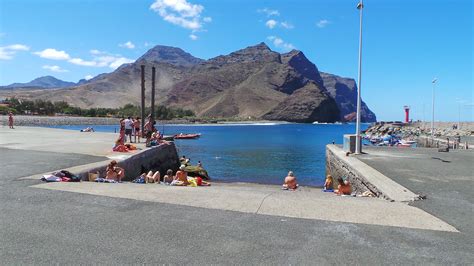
[(143, 98), (153, 94)]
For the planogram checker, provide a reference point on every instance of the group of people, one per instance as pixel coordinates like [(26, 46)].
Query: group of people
[(181, 178), (128, 127), (343, 188), (114, 173)]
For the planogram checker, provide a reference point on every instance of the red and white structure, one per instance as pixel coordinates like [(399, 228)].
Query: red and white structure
[(407, 113)]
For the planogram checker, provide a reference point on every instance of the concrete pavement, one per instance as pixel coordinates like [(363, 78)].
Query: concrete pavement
[(46, 226), (307, 203), (445, 178)]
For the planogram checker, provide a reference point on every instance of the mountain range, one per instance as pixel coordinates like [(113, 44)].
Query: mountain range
[(254, 82)]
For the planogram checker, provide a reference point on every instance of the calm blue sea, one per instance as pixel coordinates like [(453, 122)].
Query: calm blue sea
[(261, 153)]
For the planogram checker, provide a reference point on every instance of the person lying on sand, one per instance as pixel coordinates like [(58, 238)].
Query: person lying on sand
[(290, 181), (344, 187), (113, 172)]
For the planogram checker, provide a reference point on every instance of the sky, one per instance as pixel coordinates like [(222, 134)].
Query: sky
[(406, 44)]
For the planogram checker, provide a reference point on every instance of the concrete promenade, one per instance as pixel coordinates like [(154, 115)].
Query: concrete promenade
[(93, 223)]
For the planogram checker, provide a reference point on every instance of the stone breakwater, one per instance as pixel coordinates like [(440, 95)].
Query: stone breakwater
[(23, 120), (417, 129)]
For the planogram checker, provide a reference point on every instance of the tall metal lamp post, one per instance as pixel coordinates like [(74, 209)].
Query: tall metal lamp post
[(433, 108), (360, 6)]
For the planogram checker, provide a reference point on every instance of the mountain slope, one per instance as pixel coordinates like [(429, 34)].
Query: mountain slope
[(252, 82), (42, 82), (344, 91)]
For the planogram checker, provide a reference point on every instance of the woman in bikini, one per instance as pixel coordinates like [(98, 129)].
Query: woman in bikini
[(344, 187), (114, 172)]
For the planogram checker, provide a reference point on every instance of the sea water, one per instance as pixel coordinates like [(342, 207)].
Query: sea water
[(260, 153)]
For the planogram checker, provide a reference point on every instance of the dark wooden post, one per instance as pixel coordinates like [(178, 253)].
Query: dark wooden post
[(153, 94), (143, 98)]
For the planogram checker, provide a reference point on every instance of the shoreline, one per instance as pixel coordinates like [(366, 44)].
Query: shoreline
[(30, 120)]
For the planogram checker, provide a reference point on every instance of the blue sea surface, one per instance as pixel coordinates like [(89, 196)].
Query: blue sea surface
[(260, 153)]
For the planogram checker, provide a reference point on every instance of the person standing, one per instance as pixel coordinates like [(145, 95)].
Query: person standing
[(148, 130), (122, 130), (128, 129), (136, 125), (10, 120)]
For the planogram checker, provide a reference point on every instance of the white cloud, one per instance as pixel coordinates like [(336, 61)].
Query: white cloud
[(280, 43), (57, 69), (81, 62), (119, 61), (287, 25), (269, 12), (53, 54), (87, 77), (322, 23), (146, 44), (95, 51), (100, 58), (7, 52), (193, 37), (128, 45), (271, 23), (181, 13)]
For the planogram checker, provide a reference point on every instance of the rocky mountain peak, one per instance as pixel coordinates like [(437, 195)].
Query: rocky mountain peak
[(170, 55), (255, 53), (301, 63)]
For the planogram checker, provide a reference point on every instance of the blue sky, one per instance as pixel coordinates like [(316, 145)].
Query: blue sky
[(406, 43)]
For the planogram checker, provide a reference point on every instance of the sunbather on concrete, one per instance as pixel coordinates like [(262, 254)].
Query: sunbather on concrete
[(181, 178), (152, 178), (114, 172), (344, 187), (168, 178), (290, 181)]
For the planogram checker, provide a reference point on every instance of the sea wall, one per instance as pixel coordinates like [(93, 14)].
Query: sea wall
[(161, 158), (338, 166)]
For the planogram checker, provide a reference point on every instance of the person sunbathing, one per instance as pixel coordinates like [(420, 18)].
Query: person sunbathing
[(344, 187), (290, 181), (168, 178), (113, 172), (328, 185), (152, 178), (119, 146), (181, 178)]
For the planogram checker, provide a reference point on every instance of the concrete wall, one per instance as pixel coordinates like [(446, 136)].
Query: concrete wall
[(161, 158), (337, 167)]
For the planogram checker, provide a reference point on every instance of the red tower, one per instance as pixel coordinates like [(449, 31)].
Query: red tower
[(407, 113)]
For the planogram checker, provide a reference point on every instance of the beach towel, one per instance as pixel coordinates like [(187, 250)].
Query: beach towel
[(51, 178), (105, 180)]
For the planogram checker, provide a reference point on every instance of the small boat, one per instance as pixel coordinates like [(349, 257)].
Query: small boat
[(168, 138), (186, 136)]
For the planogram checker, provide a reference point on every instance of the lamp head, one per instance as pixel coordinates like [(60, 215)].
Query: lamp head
[(434, 80)]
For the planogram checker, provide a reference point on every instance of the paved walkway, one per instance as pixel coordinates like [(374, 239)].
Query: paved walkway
[(446, 178), (61, 141)]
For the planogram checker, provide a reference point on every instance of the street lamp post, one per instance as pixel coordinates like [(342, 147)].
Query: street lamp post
[(433, 108), (360, 6)]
